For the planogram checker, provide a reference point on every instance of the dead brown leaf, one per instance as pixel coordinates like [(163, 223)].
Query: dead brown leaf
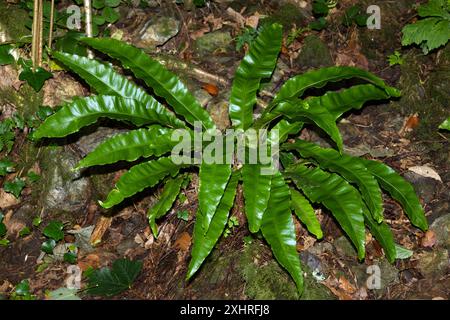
[(100, 228), (211, 89), (183, 242), (7, 199), (429, 239), (91, 260)]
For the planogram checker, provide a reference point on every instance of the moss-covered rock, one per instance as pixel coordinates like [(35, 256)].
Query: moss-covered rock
[(265, 280), (212, 42), (288, 15), (19, 95), (12, 27), (63, 192), (314, 54)]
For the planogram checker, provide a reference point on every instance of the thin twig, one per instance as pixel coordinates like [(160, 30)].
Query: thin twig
[(41, 33), (50, 34), (88, 16)]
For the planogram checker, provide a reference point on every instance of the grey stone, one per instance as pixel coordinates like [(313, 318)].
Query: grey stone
[(87, 143), (212, 41), (425, 187), (63, 189), (157, 32), (219, 113), (344, 247), (433, 263), (441, 227), (202, 97)]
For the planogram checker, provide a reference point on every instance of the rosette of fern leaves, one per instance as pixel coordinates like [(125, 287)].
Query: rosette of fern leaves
[(349, 187)]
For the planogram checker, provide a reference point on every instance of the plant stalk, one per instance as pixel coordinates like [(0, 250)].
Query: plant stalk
[(88, 16), (52, 15)]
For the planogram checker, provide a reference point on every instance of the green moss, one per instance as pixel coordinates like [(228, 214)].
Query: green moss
[(314, 53), (25, 100), (287, 15), (12, 18), (266, 279)]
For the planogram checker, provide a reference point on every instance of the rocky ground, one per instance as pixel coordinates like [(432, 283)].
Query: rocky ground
[(199, 45)]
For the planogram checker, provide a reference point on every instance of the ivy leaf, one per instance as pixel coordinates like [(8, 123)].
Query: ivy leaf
[(33, 177), (318, 24), (35, 79), (70, 257), (5, 56), (2, 229), (54, 230), (6, 166), (110, 282), (445, 125), (112, 3), (24, 232), (15, 187), (37, 221), (98, 4), (48, 246), (23, 288), (44, 112), (183, 215), (110, 15)]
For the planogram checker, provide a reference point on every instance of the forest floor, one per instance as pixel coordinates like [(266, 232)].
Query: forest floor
[(200, 45)]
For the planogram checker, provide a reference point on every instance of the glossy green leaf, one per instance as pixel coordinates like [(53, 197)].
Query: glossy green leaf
[(3, 229), (5, 54), (285, 128), (336, 194), (305, 213), (348, 167), (48, 246), (163, 82), (257, 64), (165, 202), (35, 79), (445, 125), (70, 257), (85, 111), (138, 178), (130, 146), (399, 189), (278, 229), (213, 179), (256, 188), (110, 282), (296, 86), (54, 230), (299, 110), (110, 15), (106, 81), (337, 103), (69, 42), (14, 187), (204, 243), (6, 166), (382, 232)]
